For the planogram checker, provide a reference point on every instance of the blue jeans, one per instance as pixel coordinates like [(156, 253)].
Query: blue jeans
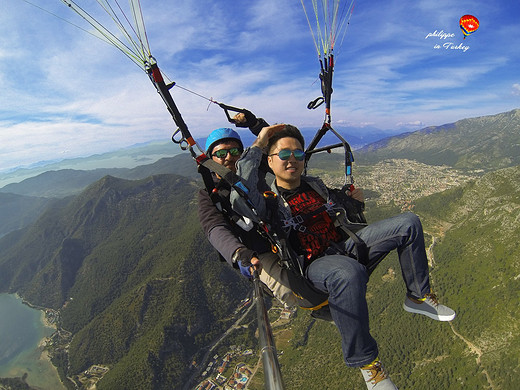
[(345, 280)]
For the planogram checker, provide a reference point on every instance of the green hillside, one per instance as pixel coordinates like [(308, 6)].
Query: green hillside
[(478, 257), (476, 271), (488, 143), (18, 211), (144, 291)]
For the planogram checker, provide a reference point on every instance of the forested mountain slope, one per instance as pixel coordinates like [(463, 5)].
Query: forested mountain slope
[(17, 211), (478, 256), (144, 291), (144, 294), (475, 269), (487, 142), (65, 182)]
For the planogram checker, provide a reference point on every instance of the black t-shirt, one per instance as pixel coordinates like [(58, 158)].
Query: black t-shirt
[(312, 227)]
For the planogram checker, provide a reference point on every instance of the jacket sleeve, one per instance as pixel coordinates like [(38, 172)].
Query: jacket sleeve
[(258, 126), (217, 228), (254, 179)]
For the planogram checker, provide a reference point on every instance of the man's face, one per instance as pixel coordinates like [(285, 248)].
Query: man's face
[(228, 160), (288, 172)]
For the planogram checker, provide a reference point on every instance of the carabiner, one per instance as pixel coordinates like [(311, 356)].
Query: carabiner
[(182, 142), (316, 103), (269, 195)]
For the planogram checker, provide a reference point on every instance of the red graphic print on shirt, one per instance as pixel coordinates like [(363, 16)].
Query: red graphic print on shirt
[(319, 229)]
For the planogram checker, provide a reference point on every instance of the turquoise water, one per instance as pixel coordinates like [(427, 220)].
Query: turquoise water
[(21, 331)]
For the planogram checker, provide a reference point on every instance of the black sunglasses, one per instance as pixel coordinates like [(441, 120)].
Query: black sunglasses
[(284, 154), (222, 153)]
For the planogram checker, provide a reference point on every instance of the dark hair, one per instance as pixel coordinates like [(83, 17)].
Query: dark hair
[(289, 131)]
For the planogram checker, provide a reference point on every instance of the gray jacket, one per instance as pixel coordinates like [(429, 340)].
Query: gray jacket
[(276, 214), (279, 213), (255, 180)]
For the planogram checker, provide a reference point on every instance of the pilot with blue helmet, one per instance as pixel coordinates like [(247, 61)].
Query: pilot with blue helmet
[(238, 242)]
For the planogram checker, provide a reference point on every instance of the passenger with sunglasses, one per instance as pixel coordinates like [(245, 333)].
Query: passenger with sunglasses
[(238, 242), (308, 217)]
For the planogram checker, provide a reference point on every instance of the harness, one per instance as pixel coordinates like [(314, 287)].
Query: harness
[(297, 223), (309, 297)]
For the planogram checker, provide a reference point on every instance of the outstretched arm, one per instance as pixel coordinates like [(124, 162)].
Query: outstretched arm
[(248, 119), (253, 177), (216, 228), (267, 132), (357, 194)]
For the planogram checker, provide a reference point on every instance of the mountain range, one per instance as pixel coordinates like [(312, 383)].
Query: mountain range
[(65, 182), (474, 255), (23, 202), (132, 275), (143, 293), (484, 143)]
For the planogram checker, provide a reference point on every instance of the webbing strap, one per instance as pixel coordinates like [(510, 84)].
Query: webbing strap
[(361, 246), (226, 174), (297, 221)]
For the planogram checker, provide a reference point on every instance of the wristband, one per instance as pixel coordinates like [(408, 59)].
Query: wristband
[(243, 255)]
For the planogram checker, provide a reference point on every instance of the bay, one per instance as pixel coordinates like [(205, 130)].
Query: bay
[(21, 333)]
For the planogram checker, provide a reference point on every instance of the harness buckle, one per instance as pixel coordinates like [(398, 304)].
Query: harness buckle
[(329, 206), (295, 223), (269, 195)]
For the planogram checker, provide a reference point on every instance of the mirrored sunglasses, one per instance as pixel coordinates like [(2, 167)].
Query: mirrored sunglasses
[(222, 153), (284, 154)]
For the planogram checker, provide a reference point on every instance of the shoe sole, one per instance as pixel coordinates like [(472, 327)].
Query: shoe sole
[(431, 315)]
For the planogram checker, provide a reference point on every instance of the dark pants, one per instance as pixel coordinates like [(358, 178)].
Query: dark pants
[(344, 279)]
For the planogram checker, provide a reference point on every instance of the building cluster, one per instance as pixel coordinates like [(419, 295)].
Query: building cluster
[(52, 316), (239, 379), (88, 378), (402, 181), (288, 313), (96, 371), (231, 371), (236, 380)]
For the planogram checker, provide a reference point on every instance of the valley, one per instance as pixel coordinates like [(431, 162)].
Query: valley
[(149, 296)]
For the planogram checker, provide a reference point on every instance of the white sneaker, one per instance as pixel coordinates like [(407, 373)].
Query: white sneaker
[(376, 377), (428, 306)]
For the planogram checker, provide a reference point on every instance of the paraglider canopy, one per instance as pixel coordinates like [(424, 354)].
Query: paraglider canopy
[(328, 23), (468, 24)]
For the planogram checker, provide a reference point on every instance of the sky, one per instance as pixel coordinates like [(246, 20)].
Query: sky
[(403, 64)]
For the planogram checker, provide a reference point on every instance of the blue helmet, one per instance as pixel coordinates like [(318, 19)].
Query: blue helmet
[(219, 135)]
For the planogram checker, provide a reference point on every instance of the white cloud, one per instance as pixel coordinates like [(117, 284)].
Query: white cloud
[(62, 86), (416, 123)]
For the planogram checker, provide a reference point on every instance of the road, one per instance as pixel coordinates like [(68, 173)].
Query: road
[(472, 347), (214, 344)]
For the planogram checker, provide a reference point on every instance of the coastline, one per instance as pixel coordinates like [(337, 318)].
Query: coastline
[(44, 352), (34, 365), (46, 322), (44, 355)]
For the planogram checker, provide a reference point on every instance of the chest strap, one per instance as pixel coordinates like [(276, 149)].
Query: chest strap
[(297, 222)]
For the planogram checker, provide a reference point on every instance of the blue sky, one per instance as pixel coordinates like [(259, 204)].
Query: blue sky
[(67, 94)]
